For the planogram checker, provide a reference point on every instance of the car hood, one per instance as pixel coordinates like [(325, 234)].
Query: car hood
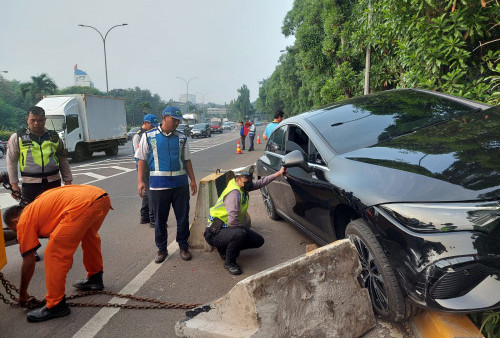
[(455, 161)]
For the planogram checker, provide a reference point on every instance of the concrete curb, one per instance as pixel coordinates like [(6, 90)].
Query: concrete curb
[(313, 295), (432, 324)]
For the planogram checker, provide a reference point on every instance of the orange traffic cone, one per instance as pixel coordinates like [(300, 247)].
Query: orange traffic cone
[(258, 139), (238, 148)]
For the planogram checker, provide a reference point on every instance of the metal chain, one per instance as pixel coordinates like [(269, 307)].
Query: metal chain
[(33, 302), (17, 194)]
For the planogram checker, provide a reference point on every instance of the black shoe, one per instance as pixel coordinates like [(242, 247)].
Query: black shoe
[(152, 224), (233, 268), (92, 283), (161, 256), (37, 257), (144, 220), (42, 314), (186, 255)]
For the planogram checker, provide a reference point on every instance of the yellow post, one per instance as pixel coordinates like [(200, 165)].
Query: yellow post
[(3, 255)]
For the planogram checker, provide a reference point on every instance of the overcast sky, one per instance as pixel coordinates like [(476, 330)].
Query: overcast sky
[(225, 43)]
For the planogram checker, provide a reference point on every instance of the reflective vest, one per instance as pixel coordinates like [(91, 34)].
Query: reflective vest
[(167, 168), (37, 155), (219, 209)]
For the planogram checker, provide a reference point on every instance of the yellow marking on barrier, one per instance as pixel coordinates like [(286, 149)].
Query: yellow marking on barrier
[(432, 324), (3, 255)]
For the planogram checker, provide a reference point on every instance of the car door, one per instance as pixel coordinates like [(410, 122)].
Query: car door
[(309, 195), (270, 163)]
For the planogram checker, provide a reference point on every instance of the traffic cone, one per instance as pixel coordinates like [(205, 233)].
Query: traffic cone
[(258, 139), (238, 148)]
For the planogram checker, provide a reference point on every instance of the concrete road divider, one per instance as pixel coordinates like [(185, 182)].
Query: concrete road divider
[(209, 189), (313, 295)]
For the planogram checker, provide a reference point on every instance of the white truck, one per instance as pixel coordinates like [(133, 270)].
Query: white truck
[(86, 123)]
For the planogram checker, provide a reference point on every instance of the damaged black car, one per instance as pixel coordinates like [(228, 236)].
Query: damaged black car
[(412, 178)]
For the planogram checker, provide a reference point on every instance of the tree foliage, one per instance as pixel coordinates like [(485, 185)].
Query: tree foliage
[(450, 46), (38, 87)]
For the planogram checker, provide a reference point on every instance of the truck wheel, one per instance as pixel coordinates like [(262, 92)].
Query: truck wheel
[(112, 150), (80, 153)]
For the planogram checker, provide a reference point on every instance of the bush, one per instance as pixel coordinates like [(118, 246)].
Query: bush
[(5, 134), (488, 323)]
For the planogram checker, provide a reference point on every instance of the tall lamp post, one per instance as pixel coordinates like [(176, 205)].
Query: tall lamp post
[(187, 90), (104, 42)]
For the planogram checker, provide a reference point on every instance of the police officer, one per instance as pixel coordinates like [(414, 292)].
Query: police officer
[(147, 214), (165, 152), (41, 157), (228, 228)]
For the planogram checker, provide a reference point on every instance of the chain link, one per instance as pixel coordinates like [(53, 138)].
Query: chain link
[(33, 302)]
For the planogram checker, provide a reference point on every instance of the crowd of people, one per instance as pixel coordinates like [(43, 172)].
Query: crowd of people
[(72, 214)]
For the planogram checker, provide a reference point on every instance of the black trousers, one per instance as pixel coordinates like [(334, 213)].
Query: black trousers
[(30, 191), (232, 240)]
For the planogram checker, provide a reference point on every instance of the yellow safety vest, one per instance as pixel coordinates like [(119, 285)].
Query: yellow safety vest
[(37, 155), (219, 210)]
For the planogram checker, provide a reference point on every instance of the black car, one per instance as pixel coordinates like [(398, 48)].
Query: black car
[(412, 178), (3, 148), (201, 129), (184, 128)]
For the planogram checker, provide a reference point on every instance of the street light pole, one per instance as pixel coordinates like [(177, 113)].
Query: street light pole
[(104, 43), (187, 89)]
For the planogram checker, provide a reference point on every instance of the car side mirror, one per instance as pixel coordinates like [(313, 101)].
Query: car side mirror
[(295, 159)]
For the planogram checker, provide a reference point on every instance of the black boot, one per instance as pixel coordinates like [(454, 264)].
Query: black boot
[(233, 268), (42, 314), (92, 283)]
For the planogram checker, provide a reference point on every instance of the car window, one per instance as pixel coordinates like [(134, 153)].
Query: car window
[(297, 139), (276, 142)]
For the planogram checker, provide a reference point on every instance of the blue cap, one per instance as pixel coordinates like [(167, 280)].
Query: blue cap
[(150, 118), (172, 111)]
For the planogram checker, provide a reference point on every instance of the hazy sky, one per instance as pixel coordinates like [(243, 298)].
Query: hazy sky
[(225, 43)]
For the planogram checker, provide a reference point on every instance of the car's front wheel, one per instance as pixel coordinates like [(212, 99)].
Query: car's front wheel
[(376, 273), (268, 202)]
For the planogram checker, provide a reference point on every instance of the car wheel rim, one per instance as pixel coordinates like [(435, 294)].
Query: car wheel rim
[(370, 276), (267, 201)]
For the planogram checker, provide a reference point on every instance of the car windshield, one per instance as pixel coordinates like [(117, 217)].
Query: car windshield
[(199, 126), (364, 122), (182, 126), (55, 123)]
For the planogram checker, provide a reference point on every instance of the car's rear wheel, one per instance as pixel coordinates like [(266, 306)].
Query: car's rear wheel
[(376, 273), (1, 153), (268, 202)]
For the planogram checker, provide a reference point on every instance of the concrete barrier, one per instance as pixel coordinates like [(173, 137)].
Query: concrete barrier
[(313, 295), (209, 189)]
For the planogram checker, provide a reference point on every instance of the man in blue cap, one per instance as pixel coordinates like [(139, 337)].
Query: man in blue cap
[(165, 152), (147, 214)]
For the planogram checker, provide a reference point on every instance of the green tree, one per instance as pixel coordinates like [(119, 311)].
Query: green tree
[(242, 105), (38, 87)]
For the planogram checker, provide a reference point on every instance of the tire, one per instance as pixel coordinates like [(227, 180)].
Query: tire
[(112, 150), (377, 276), (1, 153), (80, 153), (192, 136), (268, 202)]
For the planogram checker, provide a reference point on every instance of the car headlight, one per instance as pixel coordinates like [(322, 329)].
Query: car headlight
[(442, 217)]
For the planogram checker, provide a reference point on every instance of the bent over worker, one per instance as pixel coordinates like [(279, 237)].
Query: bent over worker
[(228, 228), (66, 215)]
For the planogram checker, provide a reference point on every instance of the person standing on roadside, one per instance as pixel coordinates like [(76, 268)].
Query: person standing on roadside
[(165, 152), (40, 155), (278, 117), (243, 134), (251, 134), (147, 214)]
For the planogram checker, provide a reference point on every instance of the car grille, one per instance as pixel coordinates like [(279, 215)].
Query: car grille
[(459, 282)]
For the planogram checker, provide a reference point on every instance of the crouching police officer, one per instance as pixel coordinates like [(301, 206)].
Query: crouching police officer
[(228, 228)]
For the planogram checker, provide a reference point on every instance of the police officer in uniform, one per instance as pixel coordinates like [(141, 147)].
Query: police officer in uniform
[(165, 152), (228, 228)]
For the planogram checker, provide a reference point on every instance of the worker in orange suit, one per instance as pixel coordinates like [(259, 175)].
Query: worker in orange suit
[(66, 215)]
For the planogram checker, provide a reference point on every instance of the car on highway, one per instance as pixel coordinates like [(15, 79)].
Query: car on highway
[(184, 128), (228, 125), (132, 132), (412, 178), (201, 129), (216, 127), (3, 148)]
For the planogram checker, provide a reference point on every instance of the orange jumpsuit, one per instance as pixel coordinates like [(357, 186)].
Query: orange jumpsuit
[(66, 215)]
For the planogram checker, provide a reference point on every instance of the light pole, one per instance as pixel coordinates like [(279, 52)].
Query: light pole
[(104, 42), (187, 90)]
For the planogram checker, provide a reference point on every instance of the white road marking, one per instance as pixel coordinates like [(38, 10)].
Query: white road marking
[(91, 175), (101, 318)]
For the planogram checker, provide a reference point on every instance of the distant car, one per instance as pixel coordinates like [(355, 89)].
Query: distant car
[(132, 132), (201, 129), (3, 148), (216, 127), (258, 123), (412, 178), (228, 125), (184, 128)]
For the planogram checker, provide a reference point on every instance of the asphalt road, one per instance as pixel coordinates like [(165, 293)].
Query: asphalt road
[(128, 249)]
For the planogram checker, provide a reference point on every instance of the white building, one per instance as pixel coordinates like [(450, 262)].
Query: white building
[(82, 79)]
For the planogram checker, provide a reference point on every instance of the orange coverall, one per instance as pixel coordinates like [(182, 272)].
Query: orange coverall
[(67, 215)]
